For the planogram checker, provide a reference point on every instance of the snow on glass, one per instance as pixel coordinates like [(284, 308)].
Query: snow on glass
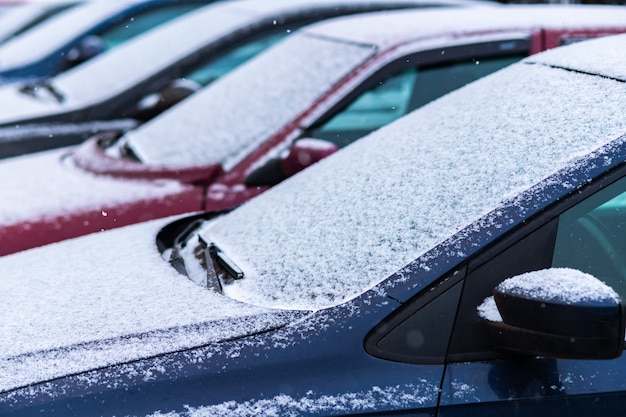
[(270, 91), (342, 226), (116, 302)]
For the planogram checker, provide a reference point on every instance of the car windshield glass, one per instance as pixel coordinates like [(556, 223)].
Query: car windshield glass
[(231, 117), (348, 222), (217, 68)]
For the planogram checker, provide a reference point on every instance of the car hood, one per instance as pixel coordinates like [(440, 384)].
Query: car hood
[(46, 185), (17, 107), (107, 299)]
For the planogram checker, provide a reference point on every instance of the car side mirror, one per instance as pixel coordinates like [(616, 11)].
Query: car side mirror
[(173, 93), (556, 312), (86, 49), (302, 154)]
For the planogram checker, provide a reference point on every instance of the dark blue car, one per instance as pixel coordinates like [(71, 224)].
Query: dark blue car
[(468, 259), (82, 32)]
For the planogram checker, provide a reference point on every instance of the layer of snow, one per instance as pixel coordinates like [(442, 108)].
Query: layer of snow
[(40, 185), (488, 310), (16, 18), (186, 135), (602, 56), (569, 286), (399, 397), (416, 24), (345, 224), (54, 33), (104, 299), (270, 91)]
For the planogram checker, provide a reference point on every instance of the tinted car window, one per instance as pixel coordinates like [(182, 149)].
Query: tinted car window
[(401, 93), (141, 22)]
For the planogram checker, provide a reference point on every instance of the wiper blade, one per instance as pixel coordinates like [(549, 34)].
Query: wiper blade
[(31, 89), (223, 264)]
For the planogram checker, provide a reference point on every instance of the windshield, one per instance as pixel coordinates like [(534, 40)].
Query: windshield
[(231, 117), (348, 222)]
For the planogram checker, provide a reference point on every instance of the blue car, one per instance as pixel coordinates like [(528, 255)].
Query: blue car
[(467, 259), (80, 33)]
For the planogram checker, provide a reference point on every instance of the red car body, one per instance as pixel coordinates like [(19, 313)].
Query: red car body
[(160, 191)]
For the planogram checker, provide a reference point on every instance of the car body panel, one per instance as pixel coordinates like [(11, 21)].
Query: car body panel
[(495, 179), (125, 76), (40, 52), (20, 19), (178, 126)]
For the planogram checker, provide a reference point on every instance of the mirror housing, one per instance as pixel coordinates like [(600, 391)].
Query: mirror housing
[(557, 312), (87, 48), (155, 103), (302, 154)]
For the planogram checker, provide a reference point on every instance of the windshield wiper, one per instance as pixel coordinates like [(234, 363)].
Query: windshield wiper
[(31, 89)]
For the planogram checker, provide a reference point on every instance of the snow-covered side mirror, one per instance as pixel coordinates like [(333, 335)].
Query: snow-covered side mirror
[(86, 49), (173, 93), (302, 154), (557, 312)]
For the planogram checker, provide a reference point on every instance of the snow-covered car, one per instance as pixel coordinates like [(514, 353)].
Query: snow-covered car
[(82, 32), (465, 260), (159, 68), (336, 82), (20, 18)]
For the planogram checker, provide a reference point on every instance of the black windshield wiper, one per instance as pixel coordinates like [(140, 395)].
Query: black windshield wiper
[(31, 89)]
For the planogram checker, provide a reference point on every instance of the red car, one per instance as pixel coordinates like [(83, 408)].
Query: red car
[(336, 81)]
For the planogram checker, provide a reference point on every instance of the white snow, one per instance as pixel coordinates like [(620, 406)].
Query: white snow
[(17, 18), (105, 299), (343, 225), (202, 139), (52, 34), (40, 185), (313, 403), (270, 91), (565, 285), (488, 310), (599, 58)]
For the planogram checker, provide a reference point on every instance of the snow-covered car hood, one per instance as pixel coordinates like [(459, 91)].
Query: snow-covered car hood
[(41, 185), (106, 299)]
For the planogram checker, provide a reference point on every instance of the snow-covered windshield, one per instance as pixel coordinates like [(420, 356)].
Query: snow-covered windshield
[(345, 224), (230, 117)]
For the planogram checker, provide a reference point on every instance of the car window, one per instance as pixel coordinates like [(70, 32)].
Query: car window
[(591, 237), (400, 93), (141, 22), (216, 68)]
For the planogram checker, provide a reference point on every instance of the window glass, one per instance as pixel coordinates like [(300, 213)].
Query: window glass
[(142, 22), (216, 68), (401, 93), (591, 237)]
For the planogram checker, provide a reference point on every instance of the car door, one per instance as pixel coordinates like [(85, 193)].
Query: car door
[(409, 82), (586, 232)]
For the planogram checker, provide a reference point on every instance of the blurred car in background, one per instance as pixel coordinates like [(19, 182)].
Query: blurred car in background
[(20, 18), (449, 264), (80, 33), (336, 82), (159, 68)]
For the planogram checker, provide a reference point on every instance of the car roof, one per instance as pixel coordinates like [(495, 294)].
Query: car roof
[(390, 29), (15, 19), (218, 139), (398, 194), (54, 33)]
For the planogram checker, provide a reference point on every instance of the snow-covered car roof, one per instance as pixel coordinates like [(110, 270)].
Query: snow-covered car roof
[(367, 211), (16, 19), (224, 137), (141, 58), (54, 34)]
